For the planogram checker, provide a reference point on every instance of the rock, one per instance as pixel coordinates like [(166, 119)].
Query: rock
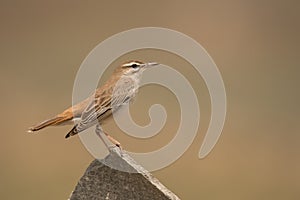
[(118, 176)]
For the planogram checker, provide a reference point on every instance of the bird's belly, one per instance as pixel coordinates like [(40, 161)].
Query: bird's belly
[(120, 110)]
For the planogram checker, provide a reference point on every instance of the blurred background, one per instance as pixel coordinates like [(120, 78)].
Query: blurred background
[(255, 44)]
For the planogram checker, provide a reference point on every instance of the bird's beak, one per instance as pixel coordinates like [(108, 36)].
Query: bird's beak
[(151, 64)]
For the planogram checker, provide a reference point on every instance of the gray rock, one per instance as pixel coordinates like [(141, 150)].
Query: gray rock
[(118, 176)]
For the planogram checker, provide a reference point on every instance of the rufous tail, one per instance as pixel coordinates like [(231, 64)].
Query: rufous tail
[(49, 122)]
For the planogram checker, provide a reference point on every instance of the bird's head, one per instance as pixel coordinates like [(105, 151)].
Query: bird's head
[(134, 67)]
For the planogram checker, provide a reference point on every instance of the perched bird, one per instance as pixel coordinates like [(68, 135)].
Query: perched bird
[(118, 90)]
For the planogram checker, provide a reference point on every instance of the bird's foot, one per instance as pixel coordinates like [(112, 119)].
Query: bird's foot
[(117, 148)]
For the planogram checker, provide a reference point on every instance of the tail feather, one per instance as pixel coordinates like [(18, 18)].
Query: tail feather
[(53, 121), (72, 132)]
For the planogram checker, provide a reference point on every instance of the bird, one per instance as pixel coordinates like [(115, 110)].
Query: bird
[(119, 90)]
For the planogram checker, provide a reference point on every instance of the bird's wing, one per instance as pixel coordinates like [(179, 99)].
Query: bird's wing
[(101, 104), (93, 111)]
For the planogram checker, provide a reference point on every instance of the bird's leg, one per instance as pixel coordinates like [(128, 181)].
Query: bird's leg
[(98, 132), (113, 140)]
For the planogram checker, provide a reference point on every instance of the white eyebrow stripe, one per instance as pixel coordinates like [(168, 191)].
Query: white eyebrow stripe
[(129, 64)]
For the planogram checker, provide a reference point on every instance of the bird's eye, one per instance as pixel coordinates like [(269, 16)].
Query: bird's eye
[(134, 65)]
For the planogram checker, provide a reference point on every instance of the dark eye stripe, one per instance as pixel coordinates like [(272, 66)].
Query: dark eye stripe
[(134, 65)]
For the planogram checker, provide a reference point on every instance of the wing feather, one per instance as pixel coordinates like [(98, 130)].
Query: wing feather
[(122, 93)]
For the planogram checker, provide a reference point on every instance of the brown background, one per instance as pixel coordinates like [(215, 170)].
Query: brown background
[(254, 43)]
